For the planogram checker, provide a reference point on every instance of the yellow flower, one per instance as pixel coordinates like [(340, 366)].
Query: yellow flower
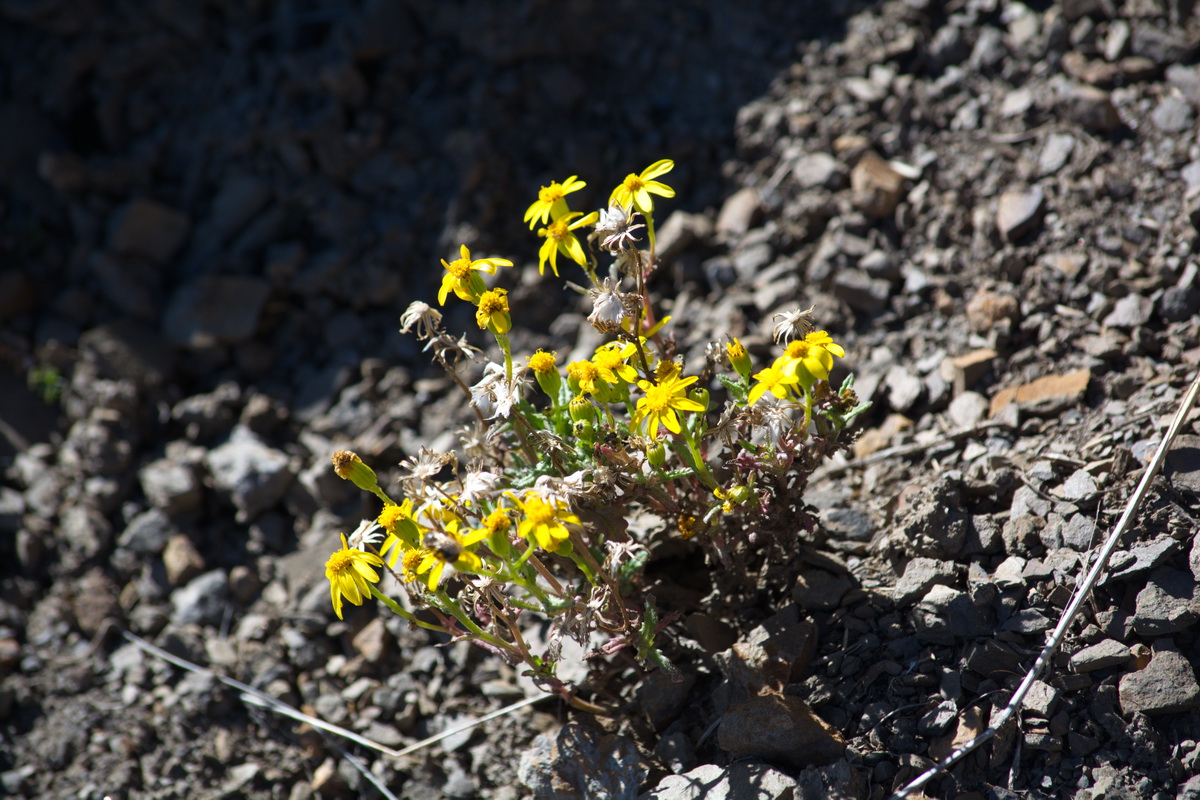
[(551, 201), (560, 239), (584, 374), (611, 357), (493, 311), (448, 546), (774, 380), (411, 562), (350, 467), (402, 530), (662, 400), (738, 358), (545, 370), (542, 362), (545, 522), (462, 275), (351, 573), (635, 190), (811, 357)]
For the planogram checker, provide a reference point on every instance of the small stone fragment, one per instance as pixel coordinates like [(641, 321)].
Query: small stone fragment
[(877, 187), (1092, 108), (1131, 311), (778, 729), (1019, 212), (920, 575), (739, 213), (149, 229), (181, 560), (1055, 390), (1167, 685), (1101, 655)]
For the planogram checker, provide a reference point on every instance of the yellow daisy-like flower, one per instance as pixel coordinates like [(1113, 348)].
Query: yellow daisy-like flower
[(545, 522), (542, 362), (351, 573), (411, 562), (560, 238), (551, 202), (611, 357), (635, 190), (662, 401), (403, 531), (582, 376), (462, 275), (811, 358), (774, 380), (493, 311), (448, 547)]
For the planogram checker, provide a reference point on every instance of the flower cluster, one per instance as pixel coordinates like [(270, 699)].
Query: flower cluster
[(537, 524)]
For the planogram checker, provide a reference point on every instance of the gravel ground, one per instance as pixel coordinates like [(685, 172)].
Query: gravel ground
[(212, 215)]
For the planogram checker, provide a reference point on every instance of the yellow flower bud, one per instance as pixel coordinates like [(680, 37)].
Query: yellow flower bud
[(739, 358), (350, 467)]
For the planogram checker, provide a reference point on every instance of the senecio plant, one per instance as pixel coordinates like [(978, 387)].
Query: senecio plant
[(550, 520)]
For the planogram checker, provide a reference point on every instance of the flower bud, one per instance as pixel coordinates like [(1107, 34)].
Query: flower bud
[(350, 467), (656, 454), (581, 409), (700, 396), (545, 370), (739, 359)]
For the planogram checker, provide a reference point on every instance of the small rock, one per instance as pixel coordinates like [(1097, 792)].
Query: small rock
[(1167, 685), (1092, 108), (877, 187), (1041, 699), (216, 309), (1019, 212), (819, 590), (967, 410), (860, 291), (1131, 311), (987, 307), (147, 533), (946, 614), (920, 575), (739, 213), (1079, 487), (676, 753), (1056, 152), (171, 487), (1101, 655), (181, 560), (819, 170), (149, 229), (742, 780), (576, 762), (1054, 391), (1182, 466), (662, 698), (939, 719), (873, 440), (783, 730), (254, 476), (963, 372), (1173, 115), (244, 584), (1167, 604), (373, 642), (1160, 45), (203, 600), (904, 388)]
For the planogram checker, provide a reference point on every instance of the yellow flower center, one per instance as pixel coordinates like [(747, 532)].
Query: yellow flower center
[(388, 518), (341, 563), (542, 362), (634, 183), (735, 350), (583, 371), (538, 512), (459, 267), (658, 398), (797, 349), (497, 521), (558, 230), (552, 193), (410, 562), (493, 303), (607, 359)]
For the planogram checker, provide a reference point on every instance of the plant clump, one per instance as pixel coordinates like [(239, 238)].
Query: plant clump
[(539, 526)]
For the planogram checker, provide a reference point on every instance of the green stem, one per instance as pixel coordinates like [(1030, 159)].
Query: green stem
[(400, 611)]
